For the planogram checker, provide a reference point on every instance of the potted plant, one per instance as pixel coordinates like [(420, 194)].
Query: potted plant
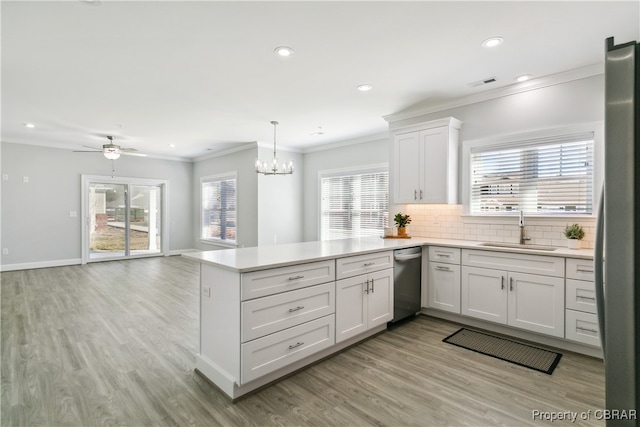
[(402, 221), (574, 233)]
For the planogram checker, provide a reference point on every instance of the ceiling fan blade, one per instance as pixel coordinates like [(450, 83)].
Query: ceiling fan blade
[(86, 151), (127, 153), (130, 150)]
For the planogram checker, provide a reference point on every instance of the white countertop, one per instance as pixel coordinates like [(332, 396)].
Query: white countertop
[(260, 257)]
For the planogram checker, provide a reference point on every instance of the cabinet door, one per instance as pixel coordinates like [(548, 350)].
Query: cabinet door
[(444, 286), (434, 172), (380, 296), (484, 294), (351, 309), (406, 178), (536, 303)]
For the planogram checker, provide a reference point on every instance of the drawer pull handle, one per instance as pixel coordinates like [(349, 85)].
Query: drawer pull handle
[(368, 264), (441, 267), (415, 194), (580, 328), (420, 194), (583, 270), (372, 291), (298, 344), (291, 310), (296, 277), (502, 283), (587, 298), (366, 291), (510, 283), (443, 255)]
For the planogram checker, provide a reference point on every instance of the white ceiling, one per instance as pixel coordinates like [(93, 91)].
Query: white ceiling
[(203, 75)]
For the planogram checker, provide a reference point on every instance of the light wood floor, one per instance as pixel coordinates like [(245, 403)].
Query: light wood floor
[(113, 344)]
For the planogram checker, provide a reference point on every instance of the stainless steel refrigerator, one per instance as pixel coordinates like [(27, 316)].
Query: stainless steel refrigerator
[(618, 233)]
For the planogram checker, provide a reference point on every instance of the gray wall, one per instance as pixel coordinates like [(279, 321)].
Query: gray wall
[(242, 163), (366, 153), (280, 204), (36, 226)]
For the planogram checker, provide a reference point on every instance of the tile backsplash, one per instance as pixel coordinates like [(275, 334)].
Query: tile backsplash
[(449, 222)]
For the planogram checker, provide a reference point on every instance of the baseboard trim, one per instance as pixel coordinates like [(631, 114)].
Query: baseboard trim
[(41, 264)]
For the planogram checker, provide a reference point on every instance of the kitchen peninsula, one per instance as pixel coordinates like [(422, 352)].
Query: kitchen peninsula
[(268, 311)]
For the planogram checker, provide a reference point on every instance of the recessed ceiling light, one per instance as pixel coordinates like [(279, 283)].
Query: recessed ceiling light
[(283, 51), (29, 125), (364, 87), (172, 145), (492, 42), (523, 78)]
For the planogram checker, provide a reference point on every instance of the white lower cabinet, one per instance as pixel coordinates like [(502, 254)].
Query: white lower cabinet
[(272, 352), (581, 311), (363, 302), (527, 301), (444, 286)]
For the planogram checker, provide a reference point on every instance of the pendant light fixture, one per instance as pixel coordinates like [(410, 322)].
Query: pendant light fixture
[(274, 168)]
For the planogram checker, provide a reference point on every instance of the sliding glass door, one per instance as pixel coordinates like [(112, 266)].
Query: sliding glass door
[(123, 219)]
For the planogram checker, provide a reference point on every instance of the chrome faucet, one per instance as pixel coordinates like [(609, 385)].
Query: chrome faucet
[(523, 238)]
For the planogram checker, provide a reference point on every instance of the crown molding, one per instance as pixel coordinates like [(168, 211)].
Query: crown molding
[(347, 142), (533, 84), (228, 151)]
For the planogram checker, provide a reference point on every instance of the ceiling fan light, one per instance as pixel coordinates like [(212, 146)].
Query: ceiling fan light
[(112, 155)]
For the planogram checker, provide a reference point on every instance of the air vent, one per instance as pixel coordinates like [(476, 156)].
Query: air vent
[(482, 82)]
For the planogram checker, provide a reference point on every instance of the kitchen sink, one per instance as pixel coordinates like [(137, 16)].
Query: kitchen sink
[(518, 246)]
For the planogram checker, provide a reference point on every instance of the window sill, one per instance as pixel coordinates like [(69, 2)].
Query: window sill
[(221, 243), (529, 218)]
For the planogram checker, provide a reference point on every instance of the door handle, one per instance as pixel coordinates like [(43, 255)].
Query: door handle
[(510, 283), (502, 282), (420, 194), (372, 291), (366, 291)]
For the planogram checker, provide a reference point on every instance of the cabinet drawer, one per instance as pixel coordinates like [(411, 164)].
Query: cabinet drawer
[(272, 352), (362, 264), (522, 263), (443, 254), (581, 269), (263, 316), (275, 280), (581, 295), (582, 327)]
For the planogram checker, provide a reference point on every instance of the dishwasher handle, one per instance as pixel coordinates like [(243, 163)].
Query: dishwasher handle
[(406, 257)]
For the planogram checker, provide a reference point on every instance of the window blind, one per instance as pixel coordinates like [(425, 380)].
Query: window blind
[(546, 176), (354, 204), (219, 213)]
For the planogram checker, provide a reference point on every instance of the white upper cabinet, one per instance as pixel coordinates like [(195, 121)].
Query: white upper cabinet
[(426, 162)]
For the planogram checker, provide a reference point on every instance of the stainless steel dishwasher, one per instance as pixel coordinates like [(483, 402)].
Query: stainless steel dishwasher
[(407, 273)]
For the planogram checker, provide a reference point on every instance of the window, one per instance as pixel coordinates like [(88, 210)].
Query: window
[(219, 212), (354, 203), (548, 176)]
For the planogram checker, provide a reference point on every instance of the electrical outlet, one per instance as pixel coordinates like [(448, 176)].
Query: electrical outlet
[(206, 291), (73, 214), (25, 179), (5, 177), (5, 251)]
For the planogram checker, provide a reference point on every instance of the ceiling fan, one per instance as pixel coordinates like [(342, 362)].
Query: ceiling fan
[(112, 151)]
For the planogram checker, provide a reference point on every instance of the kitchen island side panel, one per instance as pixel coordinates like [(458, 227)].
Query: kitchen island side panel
[(220, 319)]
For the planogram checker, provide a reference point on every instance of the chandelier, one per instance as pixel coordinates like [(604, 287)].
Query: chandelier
[(274, 168)]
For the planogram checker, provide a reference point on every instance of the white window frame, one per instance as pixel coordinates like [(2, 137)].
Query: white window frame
[(212, 178), (355, 170), (513, 140)]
